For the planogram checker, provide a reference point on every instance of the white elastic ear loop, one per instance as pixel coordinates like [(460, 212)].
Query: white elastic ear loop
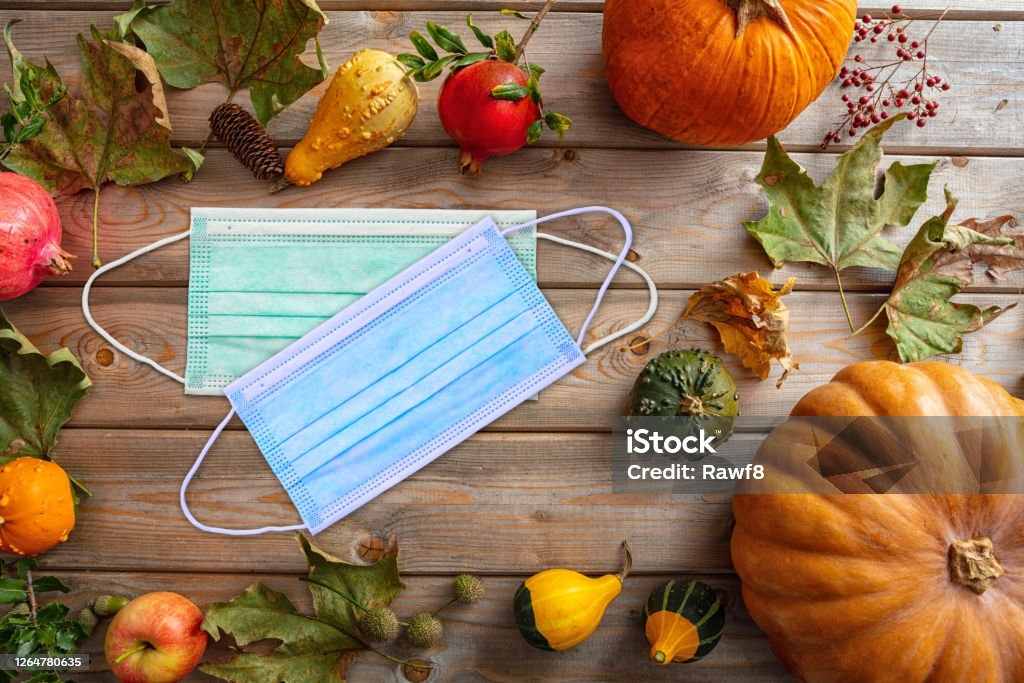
[(214, 529), (106, 335), (652, 288), (619, 261)]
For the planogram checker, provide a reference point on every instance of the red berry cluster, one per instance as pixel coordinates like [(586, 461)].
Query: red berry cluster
[(884, 91)]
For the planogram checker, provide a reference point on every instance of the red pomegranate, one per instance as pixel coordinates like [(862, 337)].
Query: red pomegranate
[(485, 126), (30, 235)]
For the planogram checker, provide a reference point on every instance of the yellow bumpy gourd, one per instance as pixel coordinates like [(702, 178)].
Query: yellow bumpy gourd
[(558, 608), (369, 104)]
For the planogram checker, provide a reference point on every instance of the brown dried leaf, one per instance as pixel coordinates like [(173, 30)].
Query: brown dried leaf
[(750, 318), (1000, 259)]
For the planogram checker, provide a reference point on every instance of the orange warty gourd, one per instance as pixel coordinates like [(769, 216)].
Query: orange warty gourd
[(902, 586), (722, 73), (37, 508)]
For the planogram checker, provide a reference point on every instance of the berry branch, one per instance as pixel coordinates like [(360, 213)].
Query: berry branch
[(885, 89)]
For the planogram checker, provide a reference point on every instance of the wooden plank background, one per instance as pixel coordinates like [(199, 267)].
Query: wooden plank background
[(532, 491)]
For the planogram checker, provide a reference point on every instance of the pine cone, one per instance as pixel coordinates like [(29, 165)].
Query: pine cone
[(247, 140)]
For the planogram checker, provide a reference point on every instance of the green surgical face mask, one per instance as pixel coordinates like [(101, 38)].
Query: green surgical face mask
[(262, 278)]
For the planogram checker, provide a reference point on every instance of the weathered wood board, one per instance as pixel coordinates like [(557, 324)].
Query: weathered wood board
[(533, 491)]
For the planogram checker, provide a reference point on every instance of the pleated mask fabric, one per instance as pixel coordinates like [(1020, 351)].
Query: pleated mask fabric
[(259, 279), (401, 374), (405, 374)]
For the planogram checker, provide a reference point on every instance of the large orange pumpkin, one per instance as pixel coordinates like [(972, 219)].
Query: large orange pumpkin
[(37, 507), (722, 72), (896, 587)]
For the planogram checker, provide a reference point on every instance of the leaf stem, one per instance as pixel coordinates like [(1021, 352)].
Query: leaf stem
[(842, 296), (385, 655), (534, 25), (209, 136), (868, 323), (348, 598), (96, 263)]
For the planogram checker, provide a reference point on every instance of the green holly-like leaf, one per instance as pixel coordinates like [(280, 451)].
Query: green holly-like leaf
[(13, 591), (50, 632), (312, 648), (238, 43), (838, 224), (113, 131), (37, 394), (937, 265)]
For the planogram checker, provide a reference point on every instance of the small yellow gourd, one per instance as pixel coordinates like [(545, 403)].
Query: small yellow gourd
[(369, 104), (558, 608)]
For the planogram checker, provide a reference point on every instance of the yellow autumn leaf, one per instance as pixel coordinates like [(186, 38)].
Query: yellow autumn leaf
[(750, 318)]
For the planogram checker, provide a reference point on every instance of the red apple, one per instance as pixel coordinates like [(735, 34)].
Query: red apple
[(155, 638)]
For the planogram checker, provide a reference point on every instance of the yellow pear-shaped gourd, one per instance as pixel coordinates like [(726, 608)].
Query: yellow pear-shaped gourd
[(369, 104), (558, 608)]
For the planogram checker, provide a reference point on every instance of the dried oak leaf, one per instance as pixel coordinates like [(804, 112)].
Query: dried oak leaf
[(115, 130), (937, 265), (238, 43), (751, 320)]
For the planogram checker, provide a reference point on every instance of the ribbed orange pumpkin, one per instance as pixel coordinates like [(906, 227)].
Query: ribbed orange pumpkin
[(37, 508), (722, 73), (896, 587)]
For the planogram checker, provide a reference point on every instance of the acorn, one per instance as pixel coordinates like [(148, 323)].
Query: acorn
[(379, 625), (106, 605), (21, 609), (468, 588), (424, 630), (88, 619)]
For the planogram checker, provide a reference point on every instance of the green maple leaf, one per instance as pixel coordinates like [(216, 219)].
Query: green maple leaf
[(937, 265), (839, 224), (112, 132), (239, 43), (375, 585), (37, 395), (312, 648)]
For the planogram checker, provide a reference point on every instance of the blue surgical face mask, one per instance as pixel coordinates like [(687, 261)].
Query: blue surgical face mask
[(456, 340), (259, 279)]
